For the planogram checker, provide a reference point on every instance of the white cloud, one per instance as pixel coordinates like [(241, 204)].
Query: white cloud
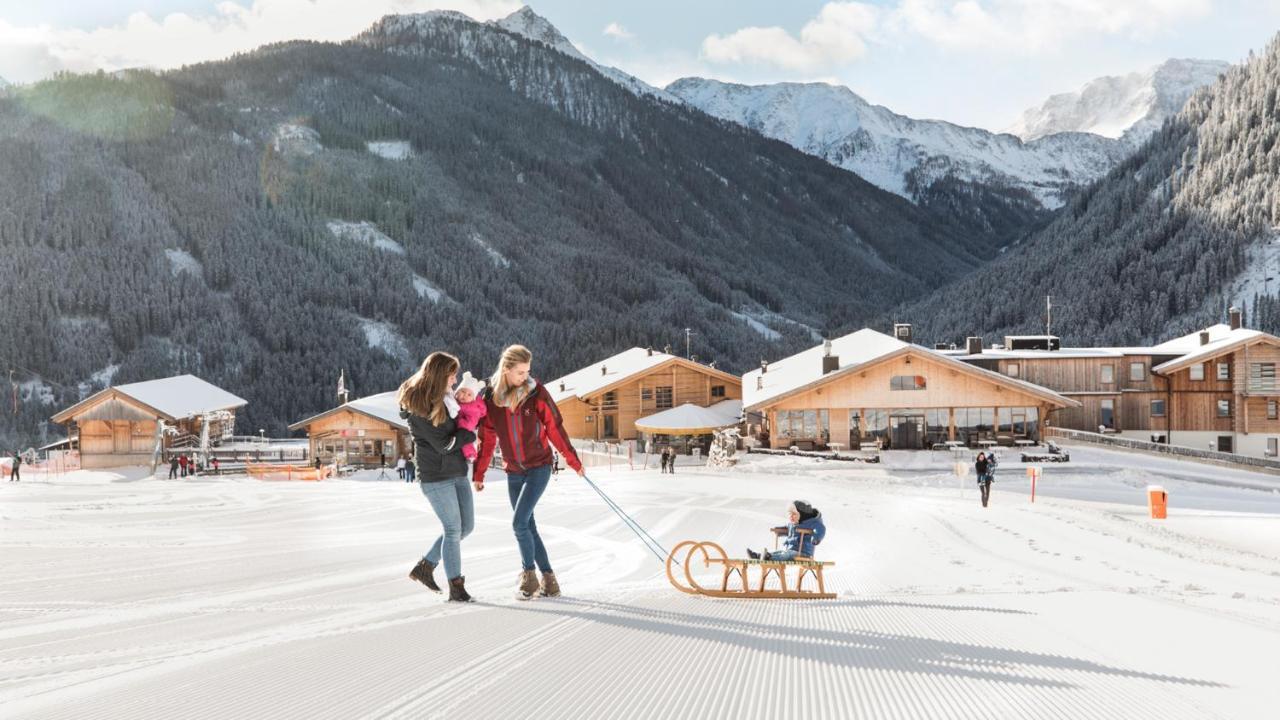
[(837, 35), (616, 31), (1035, 26), (30, 53), (841, 31)]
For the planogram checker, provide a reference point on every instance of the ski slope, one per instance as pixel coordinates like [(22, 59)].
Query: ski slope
[(140, 598)]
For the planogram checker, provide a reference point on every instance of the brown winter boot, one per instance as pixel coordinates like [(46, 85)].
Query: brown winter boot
[(423, 572), (458, 593), (528, 584), (550, 588)]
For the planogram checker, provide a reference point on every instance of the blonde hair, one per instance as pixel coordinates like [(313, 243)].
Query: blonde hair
[(423, 393), (505, 396)]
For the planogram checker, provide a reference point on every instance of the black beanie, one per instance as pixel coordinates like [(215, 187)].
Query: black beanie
[(805, 510)]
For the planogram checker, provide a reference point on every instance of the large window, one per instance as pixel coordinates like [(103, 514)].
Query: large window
[(937, 424), (1224, 408), (907, 382), (663, 395), (717, 391), (1108, 376), (1108, 413), (973, 424), (1137, 371), (876, 426), (1197, 371), (1157, 408), (804, 425)]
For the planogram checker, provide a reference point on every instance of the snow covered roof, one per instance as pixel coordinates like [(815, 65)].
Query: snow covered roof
[(616, 370), (173, 397), (383, 406), (1230, 341), (1002, 354), (857, 349), (689, 419), (1191, 342)]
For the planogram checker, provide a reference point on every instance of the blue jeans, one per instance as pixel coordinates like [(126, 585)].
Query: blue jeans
[(453, 504), (780, 555), (524, 491)]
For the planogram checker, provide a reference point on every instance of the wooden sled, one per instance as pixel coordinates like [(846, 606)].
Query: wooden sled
[(683, 556)]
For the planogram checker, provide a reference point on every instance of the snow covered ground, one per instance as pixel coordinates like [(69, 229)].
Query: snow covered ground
[(125, 597)]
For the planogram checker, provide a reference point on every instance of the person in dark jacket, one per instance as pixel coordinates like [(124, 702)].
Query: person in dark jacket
[(985, 469), (523, 419), (14, 475), (800, 516), (442, 470), (173, 467)]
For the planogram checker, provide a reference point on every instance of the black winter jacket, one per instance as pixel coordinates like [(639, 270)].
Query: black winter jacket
[(438, 448)]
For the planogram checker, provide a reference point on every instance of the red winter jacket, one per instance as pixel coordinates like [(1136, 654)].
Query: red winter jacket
[(525, 433)]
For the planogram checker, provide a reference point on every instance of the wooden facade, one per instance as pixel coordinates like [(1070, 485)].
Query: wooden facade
[(909, 400), (610, 413), (1209, 400), (117, 430), (355, 438)]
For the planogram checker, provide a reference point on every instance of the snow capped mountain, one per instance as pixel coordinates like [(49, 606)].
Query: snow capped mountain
[(529, 24), (1126, 107), (897, 153)]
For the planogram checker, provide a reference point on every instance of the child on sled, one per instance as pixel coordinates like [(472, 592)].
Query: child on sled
[(800, 516)]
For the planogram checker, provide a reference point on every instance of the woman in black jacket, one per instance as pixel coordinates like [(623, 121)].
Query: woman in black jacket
[(984, 467), (442, 470)]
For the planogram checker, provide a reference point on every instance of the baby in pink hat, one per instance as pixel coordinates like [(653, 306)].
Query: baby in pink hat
[(470, 409)]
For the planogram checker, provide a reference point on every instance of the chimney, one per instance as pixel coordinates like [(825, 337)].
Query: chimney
[(712, 364), (902, 331), (666, 349), (829, 362), (1204, 337), (693, 358), (561, 386), (1237, 317), (973, 345), (943, 346), (764, 366), (650, 351), (604, 370)]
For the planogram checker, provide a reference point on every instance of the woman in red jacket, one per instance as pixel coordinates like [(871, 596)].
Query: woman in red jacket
[(524, 420)]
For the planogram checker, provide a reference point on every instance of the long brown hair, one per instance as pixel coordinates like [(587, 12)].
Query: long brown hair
[(423, 393), (504, 396)]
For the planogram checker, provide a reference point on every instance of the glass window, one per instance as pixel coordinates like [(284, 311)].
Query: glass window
[(1272, 413), (1224, 408), (1014, 370), (610, 398), (1004, 420), (1109, 413), (1273, 447), (1224, 371), (1137, 371), (1197, 371), (717, 391), (1108, 374), (1224, 443), (646, 393), (876, 425), (663, 395), (1157, 408), (907, 382), (1262, 377)]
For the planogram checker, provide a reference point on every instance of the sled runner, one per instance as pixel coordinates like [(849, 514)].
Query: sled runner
[(683, 558)]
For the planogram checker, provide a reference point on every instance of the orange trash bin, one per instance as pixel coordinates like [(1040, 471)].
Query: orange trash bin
[(1157, 502)]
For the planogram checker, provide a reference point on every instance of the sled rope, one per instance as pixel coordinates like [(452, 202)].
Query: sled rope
[(653, 545)]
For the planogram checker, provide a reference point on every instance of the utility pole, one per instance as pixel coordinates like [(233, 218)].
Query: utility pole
[(1048, 314)]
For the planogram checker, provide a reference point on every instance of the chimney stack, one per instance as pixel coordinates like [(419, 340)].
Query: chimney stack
[(1204, 337), (1237, 317), (604, 370), (650, 351), (764, 366), (561, 386), (943, 346), (973, 345), (902, 331)]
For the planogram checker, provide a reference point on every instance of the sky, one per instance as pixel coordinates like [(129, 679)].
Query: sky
[(973, 62)]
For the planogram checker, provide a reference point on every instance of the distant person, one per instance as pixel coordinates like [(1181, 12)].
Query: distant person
[(182, 463), (985, 468), (410, 471), (173, 467), (800, 516), (400, 465), (215, 465), (667, 460), (14, 475)]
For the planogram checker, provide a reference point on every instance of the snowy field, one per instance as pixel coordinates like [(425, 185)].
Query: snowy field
[(233, 598)]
